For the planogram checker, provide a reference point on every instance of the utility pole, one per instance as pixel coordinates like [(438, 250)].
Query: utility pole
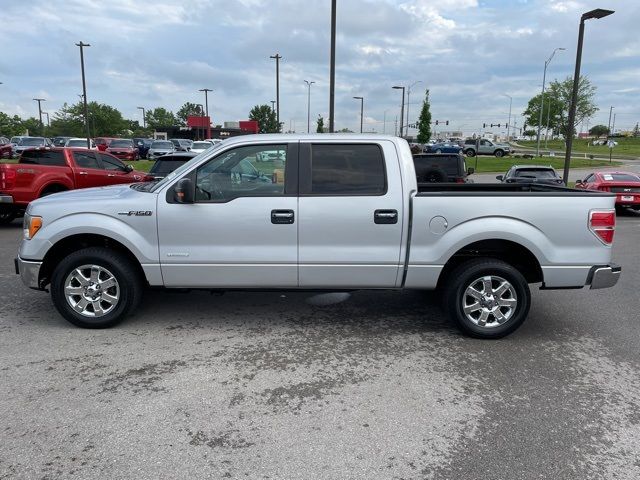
[(144, 120), (273, 106), (308, 105), (48, 122), (39, 100), (401, 108), (544, 78), (509, 123), (332, 67), (361, 110), (609, 124), (84, 91), (409, 101), (201, 120), (384, 122), (206, 104), (613, 127), (277, 57)]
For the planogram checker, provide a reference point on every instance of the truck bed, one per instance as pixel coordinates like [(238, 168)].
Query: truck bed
[(427, 189)]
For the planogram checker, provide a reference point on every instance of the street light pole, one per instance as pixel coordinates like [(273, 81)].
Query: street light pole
[(384, 121), (206, 103), (509, 123), (401, 108), (39, 100), (361, 110), (84, 91), (48, 122), (308, 105), (544, 78), (609, 124), (201, 118), (332, 67), (277, 57), (144, 120), (593, 14), (409, 101), (613, 127)]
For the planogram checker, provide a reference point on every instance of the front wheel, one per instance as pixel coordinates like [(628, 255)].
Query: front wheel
[(499, 153), (95, 287), (470, 153), (487, 298)]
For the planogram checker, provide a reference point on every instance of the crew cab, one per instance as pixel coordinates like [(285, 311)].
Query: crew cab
[(41, 172), (329, 212)]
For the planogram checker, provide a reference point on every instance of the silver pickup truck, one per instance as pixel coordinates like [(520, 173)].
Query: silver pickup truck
[(316, 212)]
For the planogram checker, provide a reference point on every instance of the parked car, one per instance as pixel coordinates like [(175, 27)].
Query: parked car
[(30, 142), (441, 167), (143, 145), (200, 147), (103, 142), (625, 185), (15, 140), (341, 213), (166, 164), (44, 171), (124, 149), (531, 173), (181, 144), (487, 147), (60, 141), (5, 148), (443, 147), (159, 148), (80, 143)]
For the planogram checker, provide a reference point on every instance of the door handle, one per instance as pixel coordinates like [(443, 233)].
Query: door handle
[(83, 173), (385, 217), (282, 217)]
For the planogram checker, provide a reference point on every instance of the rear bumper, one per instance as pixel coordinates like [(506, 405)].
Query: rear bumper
[(604, 276), (29, 272)]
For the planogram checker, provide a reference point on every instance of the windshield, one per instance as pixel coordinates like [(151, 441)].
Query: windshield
[(201, 145), (163, 144), (32, 142), (180, 170), (77, 143), (121, 144), (166, 166)]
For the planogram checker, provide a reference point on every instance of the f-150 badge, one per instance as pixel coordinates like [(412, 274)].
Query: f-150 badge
[(137, 213)]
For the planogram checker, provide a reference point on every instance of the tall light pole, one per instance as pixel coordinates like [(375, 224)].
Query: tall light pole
[(401, 108), (206, 104), (277, 58), (597, 13), (509, 123), (201, 116), (609, 124), (308, 105), (84, 91), (361, 110), (544, 78), (409, 101), (384, 121), (332, 67), (613, 126), (49, 123), (144, 120), (40, 100)]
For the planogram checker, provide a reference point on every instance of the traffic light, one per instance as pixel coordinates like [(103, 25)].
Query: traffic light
[(447, 122), (436, 122)]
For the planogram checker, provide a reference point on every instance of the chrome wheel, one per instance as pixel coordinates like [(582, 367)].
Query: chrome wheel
[(489, 301), (91, 290)]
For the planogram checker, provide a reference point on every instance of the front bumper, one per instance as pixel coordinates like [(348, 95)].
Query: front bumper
[(6, 199), (29, 272), (604, 276)]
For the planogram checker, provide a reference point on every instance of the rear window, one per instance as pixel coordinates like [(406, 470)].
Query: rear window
[(449, 164), (347, 170), (619, 177), (166, 166), (43, 157), (121, 144), (537, 173)]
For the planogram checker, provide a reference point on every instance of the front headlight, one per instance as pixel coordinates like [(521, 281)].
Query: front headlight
[(30, 226)]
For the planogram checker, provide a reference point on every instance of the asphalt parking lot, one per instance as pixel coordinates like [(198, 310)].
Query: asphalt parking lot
[(283, 386)]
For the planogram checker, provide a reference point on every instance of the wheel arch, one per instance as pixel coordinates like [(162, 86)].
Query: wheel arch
[(53, 187)]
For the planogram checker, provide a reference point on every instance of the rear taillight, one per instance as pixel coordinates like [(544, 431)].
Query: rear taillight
[(603, 225), (7, 178), (603, 188)]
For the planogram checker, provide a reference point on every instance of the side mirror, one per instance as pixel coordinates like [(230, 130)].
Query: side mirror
[(183, 191), (128, 168), (500, 177), (471, 171)]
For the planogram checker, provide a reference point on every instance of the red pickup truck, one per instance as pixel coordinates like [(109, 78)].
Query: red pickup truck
[(41, 172)]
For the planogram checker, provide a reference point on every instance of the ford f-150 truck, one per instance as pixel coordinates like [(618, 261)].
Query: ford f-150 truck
[(42, 172), (325, 212)]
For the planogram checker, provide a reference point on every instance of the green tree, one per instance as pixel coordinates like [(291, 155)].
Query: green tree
[(345, 130), (186, 110), (266, 118), (599, 130), (10, 126), (529, 133), (31, 125), (557, 100), (103, 120), (320, 124), (424, 121), (160, 117), (636, 130)]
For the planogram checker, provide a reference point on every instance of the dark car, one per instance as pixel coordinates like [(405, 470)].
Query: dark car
[(441, 167), (443, 147), (60, 141), (168, 163), (143, 144), (181, 144), (531, 173)]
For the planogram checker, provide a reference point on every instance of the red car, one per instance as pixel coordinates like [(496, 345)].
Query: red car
[(43, 171), (626, 186), (124, 149), (103, 142), (5, 148)]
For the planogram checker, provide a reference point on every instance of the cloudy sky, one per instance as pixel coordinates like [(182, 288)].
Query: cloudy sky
[(469, 53)]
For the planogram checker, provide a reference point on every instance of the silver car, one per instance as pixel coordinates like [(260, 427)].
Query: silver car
[(30, 142), (159, 148)]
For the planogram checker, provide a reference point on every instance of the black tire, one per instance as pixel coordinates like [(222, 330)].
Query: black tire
[(470, 153), (7, 217), (499, 153), (438, 150), (127, 276), (434, 175), (465, 276)]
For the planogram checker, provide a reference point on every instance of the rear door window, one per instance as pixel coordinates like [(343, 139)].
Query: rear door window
[(341, 169), (111, 163), (43, 157)]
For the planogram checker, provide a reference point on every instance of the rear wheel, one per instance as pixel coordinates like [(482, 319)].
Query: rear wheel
[(470, 153), (95, 287), (487, 298)]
